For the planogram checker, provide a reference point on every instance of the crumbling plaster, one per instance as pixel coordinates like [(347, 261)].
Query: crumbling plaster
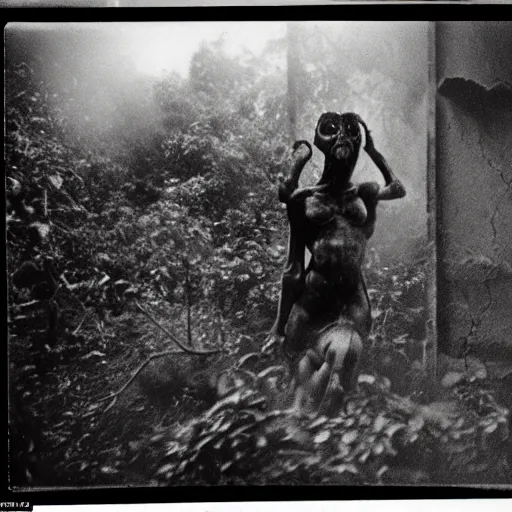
[(474, 188)]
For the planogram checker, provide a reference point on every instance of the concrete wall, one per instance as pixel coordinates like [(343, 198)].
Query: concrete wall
[(474, 189)]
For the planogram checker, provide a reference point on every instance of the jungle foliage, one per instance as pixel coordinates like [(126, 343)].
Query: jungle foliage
[(179, 214)]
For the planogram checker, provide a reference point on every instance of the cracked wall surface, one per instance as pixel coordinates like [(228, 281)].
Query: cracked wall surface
[(474, 188)]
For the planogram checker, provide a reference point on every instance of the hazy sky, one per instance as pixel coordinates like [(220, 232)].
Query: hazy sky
[(151, 42), (153, 47), (388, 62)]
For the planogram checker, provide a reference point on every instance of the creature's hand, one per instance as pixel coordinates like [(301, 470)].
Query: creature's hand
[(303, 145), (272, 342), (397, 189)]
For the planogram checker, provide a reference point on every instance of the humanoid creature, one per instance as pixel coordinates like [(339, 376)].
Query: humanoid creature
[(324, 309)]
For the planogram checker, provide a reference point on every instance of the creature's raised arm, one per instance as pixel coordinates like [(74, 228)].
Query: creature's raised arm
[(301, 154), (292, 281), (394, 188)]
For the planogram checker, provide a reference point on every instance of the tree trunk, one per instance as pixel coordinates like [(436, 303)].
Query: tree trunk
[(293, 69)]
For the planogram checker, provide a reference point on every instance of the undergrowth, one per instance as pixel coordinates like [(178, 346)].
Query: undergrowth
[(377, 437), (170, 428)]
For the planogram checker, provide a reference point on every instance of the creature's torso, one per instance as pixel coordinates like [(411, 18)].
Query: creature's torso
[(337, 231)]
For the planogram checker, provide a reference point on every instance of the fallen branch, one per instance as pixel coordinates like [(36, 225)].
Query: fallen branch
[(75, 332), (156, 355), (27, 304), (185, 350), (150, 358), (173, 338)]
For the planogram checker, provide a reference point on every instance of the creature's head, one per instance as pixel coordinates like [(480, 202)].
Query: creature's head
[(338, 137)]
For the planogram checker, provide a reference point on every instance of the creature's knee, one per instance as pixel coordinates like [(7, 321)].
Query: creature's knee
[(343, 349)]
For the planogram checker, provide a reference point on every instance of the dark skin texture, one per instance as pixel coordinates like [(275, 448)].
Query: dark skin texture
[(324, 310)]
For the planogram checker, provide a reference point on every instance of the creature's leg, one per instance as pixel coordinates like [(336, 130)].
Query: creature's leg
[(323, 383), (308, 365), (358, 309), (349, 371)]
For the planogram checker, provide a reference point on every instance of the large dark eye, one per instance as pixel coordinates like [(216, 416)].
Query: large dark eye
[(329, 128)]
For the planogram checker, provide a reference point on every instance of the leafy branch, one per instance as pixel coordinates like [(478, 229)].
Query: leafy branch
[(185, 350), (134, 374), (173, 338)]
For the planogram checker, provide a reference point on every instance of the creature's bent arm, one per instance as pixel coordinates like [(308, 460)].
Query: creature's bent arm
[(393, 188), (292, 282), (301, 154)]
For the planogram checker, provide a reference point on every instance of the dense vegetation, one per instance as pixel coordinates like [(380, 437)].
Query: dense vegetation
[(163, 224)]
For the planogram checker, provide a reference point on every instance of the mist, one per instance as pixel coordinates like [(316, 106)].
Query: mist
[(102, 79), (103, 74)]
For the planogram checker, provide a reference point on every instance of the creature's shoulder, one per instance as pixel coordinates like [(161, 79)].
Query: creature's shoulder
[(368, 192)]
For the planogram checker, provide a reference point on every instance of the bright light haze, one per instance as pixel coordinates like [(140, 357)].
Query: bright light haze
[(159, 46)]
